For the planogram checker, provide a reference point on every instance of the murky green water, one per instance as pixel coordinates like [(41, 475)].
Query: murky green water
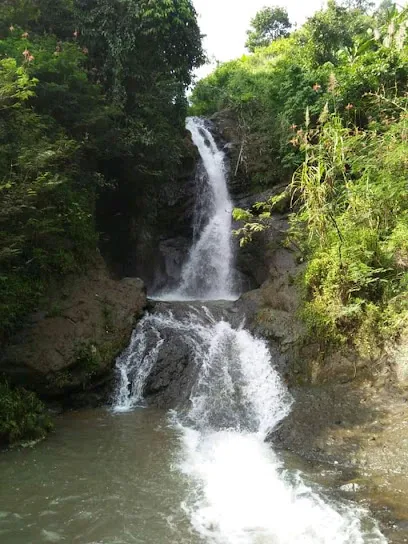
[(105, 478), (101, 478)]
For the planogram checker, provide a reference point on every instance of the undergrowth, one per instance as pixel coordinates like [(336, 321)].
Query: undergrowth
[(22, 415)]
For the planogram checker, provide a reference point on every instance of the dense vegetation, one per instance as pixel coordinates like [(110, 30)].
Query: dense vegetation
[(325, 110), (92, 103), (92, 112), (22, 415)]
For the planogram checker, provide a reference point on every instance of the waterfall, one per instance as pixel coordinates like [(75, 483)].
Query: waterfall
[(239, 491), (208, 272), (136, 363)]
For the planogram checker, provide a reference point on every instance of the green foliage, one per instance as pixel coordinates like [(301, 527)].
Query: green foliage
[(326, 110), (351, 193), (46, 211), (256, 221), (22, 415), (90, 359), (87, 360), (331, 30), (92, 111), (337, 58), (39, 16), (268, 25)]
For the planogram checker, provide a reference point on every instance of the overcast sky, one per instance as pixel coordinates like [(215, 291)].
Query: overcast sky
[(225, 23)]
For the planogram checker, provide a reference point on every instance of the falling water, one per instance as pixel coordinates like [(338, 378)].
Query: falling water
[(239, 492), (208, 272), (135, 364)]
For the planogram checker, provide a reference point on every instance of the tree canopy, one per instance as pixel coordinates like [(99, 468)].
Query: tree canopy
[(269, 24), (92, 110)]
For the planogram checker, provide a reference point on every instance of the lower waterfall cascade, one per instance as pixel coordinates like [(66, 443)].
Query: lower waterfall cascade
[(239, 491)]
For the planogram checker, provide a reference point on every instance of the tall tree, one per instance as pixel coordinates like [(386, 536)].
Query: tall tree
[(362, 5), (332, 29), (92, 113), (38, 16), (269, 24)]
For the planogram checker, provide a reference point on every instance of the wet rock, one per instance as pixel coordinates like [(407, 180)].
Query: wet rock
[(174, 252), (227, 129), (172, 377), (398, 354), (140, 225)]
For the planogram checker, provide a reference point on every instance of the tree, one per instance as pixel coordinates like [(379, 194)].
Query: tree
[(361, 5), (332, 29), (268, 25), (385, 12), (92, 117), (38, 16)]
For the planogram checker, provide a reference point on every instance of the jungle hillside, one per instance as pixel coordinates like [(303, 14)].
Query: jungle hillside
[(324, 110)]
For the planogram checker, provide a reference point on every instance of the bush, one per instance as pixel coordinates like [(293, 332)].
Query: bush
[(22, 415), (351, 193)]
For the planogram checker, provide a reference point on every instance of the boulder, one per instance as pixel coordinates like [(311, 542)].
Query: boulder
[(71, 344), (170, 382)]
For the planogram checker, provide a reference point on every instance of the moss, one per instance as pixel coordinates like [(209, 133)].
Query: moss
[(90, 361), (93, 359), (22, 415), (61, 379), (55, 310), (19, 295)]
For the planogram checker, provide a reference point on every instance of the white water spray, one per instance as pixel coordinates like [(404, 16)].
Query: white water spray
[(208, 272), (135, 365), (239, 490)]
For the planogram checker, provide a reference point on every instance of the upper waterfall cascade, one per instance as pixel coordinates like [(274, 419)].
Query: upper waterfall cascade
[(208, 272)]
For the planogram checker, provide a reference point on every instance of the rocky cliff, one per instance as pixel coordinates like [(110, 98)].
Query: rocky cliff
[(67, 349)]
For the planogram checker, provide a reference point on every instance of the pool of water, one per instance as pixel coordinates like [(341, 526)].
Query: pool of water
[(105, 478), (100, 478)]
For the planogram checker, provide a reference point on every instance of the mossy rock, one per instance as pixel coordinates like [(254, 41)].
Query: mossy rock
[(22, 416)]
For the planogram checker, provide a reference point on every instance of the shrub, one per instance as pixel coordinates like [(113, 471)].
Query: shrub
[(22, 415)]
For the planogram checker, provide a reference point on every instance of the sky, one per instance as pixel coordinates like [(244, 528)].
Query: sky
[(225, 23)]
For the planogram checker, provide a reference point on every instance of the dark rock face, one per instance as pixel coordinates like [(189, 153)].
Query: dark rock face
[(147, 216), (160, 241), (172, 377), (174, 374), (173, 254), (71, 345), (228, 134)]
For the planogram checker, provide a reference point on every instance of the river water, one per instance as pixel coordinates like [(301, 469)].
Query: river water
[(125, 478), (201, 473)]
